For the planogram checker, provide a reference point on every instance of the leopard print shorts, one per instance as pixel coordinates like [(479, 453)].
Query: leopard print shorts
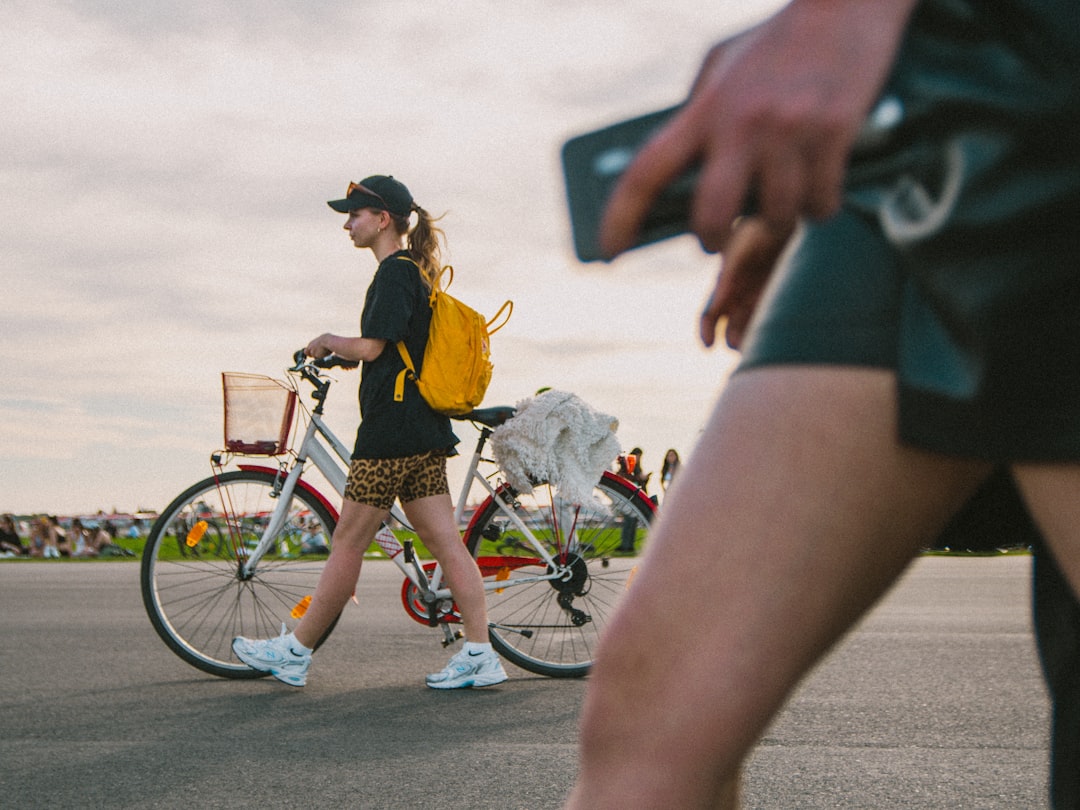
[(378, 481)]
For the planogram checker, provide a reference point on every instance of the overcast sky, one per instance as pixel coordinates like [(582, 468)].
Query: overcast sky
[(165, 168)]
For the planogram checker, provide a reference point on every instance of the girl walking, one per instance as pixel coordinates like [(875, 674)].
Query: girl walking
[(401, 446)]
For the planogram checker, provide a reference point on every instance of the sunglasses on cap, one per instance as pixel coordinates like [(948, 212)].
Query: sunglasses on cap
[(365, 190)]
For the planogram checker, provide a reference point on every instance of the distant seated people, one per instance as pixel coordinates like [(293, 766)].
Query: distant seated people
[(43, 539), (91, 541), (58, 536), (104, 541), (77, 540), (10, 542), (313, 541), (36, 547)]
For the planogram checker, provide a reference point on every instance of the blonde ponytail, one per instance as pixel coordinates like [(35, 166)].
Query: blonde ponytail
[(424, 244)]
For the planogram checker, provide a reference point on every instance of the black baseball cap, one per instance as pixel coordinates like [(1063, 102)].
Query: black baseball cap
[(379, 191)]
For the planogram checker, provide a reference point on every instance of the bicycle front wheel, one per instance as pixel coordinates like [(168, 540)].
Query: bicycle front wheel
[(194, 584), (548, 624)]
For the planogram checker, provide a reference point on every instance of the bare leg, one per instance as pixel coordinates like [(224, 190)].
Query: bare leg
[(795, 513), (1052, 493), (433, 519), (354, 533)]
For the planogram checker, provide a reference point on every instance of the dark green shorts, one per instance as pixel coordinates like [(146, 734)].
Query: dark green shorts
[(843, 298), (956, 259)]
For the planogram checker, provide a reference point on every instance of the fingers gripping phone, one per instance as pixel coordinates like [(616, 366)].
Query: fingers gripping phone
[(593, 163)]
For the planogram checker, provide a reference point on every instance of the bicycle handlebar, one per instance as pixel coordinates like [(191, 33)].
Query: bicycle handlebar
[(330, 361)]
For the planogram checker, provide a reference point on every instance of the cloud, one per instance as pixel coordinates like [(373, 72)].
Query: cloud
[(163, 189)]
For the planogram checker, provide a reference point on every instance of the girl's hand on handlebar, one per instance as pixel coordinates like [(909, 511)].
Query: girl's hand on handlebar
[(319, 347), (300, 360), (353, 349)]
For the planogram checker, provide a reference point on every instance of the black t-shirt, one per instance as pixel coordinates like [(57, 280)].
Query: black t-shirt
[(396, 308)]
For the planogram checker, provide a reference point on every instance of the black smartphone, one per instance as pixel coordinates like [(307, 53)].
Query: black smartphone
[(593, 163)]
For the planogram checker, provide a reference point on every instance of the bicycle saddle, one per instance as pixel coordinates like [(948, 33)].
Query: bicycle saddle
[(492, 417)]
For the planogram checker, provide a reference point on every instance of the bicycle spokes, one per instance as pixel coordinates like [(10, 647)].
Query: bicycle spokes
[(554, 571), (199, 596)]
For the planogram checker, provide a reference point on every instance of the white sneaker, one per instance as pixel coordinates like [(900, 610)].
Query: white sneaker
[(469, 669), (274, 655)]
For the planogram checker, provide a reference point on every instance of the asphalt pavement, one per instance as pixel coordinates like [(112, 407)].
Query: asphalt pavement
[(934, 701)]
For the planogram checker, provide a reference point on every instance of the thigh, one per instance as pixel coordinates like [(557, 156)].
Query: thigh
[(1052, 493), (357, 525), (793, 515), (425, 497), (377, 482), (433, 519)]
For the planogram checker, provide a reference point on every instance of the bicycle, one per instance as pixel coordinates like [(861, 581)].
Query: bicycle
[(553, 571)]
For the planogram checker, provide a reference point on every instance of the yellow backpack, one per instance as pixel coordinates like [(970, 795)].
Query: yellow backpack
[(457, 361)]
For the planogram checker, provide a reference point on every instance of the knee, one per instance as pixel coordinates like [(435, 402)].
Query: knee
[(620, 677), (445, 543)]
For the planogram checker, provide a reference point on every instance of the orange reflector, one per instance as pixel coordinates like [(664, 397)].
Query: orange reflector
[(502, 575), (196, 533), (301, 607), (629, 579)]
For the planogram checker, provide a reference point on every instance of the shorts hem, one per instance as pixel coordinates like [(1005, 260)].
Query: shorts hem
[(970, 430)]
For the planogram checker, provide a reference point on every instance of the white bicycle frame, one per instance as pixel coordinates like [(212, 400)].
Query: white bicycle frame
[(431, 588)]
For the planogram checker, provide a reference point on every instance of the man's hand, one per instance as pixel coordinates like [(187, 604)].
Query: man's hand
[(749, 260), (774, 111)]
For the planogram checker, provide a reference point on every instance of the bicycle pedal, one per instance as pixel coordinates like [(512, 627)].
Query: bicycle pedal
[(452, 638)]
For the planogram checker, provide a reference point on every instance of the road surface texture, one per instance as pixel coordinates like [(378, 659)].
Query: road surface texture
[(935, 701)]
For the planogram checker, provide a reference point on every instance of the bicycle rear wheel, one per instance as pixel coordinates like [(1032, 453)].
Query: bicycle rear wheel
[(193, 584), (551, 626)]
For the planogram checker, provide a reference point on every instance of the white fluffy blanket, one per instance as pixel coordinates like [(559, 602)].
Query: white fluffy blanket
[(556, 437)]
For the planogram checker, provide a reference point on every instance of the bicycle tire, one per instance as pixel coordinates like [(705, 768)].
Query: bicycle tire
[(199, 603), (552, 627)]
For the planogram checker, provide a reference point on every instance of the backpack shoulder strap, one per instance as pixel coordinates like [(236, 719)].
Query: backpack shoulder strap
[(410, 369), (440, 287)]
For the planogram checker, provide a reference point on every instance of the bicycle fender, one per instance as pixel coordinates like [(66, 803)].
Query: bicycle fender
[(304, 485), (478, 510), (639, 495)]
